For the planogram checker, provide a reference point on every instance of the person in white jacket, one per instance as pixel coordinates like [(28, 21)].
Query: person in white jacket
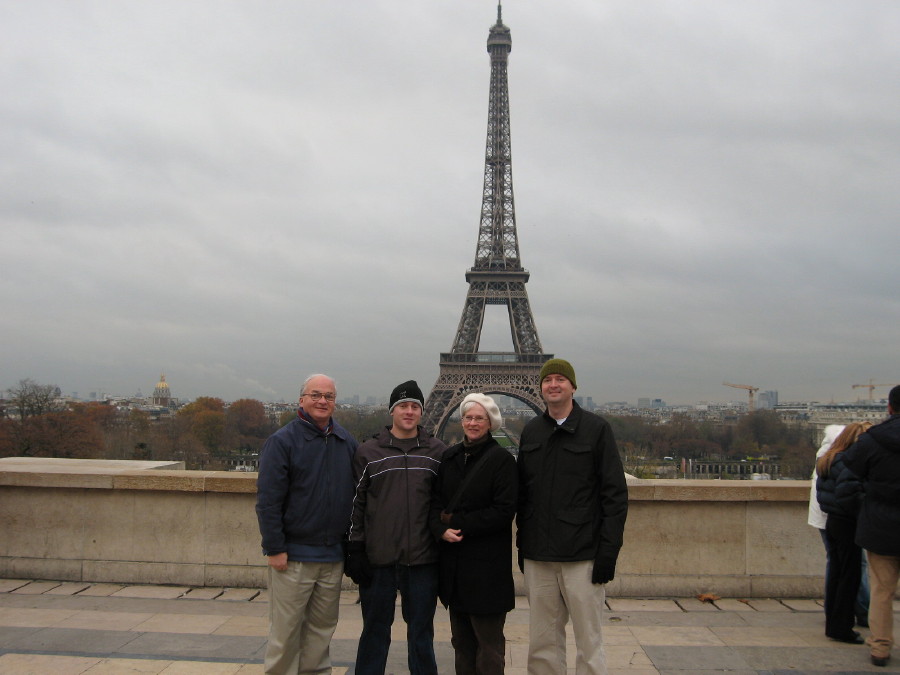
[(816, 519)]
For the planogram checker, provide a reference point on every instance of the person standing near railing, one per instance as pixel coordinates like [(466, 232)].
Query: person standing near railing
[(303, 499), (875, 458)]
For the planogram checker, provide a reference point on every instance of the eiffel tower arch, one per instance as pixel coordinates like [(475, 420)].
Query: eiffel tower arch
[(496, 278)]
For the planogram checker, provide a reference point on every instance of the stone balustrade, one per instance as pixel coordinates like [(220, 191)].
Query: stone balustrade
[(134, 522)]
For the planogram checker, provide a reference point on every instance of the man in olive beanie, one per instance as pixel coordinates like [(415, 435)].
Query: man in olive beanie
[(558, 367), (571, 515)]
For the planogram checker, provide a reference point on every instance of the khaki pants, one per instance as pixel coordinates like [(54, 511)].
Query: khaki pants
[(303, 613), (883, 573), (556, 592)]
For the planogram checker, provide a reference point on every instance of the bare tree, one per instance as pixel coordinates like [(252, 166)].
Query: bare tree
[(33, 399)]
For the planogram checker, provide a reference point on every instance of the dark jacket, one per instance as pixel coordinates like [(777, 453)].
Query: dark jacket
[(304, 491), (476, 573), (573, 500), (393, 496), (839, 491), (875, 458)]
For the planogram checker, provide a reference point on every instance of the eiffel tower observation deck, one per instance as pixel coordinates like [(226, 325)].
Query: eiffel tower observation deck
[(496, 278)]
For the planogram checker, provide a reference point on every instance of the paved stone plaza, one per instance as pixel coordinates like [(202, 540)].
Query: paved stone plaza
[(63, 627)]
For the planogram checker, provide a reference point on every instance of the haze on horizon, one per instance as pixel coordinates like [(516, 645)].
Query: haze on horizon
[(238, 195)]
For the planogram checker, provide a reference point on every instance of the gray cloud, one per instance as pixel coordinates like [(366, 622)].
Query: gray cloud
[(239, 195)]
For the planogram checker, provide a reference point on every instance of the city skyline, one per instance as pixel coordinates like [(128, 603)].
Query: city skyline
[(239, 198)]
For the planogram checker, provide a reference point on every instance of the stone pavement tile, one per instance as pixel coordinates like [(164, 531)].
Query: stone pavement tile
[(638, 671), (201, 668), (69, 641), (239, 594), (8, 585), (676, 635), (203, 594), (26, 617), (803, 605), (36, 587), (734, 605), (767, 605), (853, 658), (39, 664), (719, 671), (626, 657), (618, 636), (244, 625), (517, 656), (347, 629), (257, 669), (186, 646), (695, 659), (101, 590), (68, 588), (761, 636), (119, 666), (93, 620), (159, 592), (695, 605), (262, 597), (204, 624), (638, 605)]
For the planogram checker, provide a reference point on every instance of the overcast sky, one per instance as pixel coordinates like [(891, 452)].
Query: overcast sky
[(239, 194)]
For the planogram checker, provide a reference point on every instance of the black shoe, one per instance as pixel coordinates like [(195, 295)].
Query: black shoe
[(854, 638), (880, 660)]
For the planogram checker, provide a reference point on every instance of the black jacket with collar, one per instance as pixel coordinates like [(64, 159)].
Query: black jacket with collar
[(875, 458), (573, 500), (476, 573), (392, 499)]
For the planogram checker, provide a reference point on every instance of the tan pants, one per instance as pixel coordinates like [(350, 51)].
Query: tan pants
[(556, 592), (884, 571), (303, 613)]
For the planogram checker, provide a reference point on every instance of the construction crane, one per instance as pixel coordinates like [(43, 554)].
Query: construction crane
[(871, 387), (750, 390)]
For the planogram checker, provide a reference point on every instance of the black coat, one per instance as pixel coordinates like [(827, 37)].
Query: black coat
[(573, 500), (476, 573), (875, 458)]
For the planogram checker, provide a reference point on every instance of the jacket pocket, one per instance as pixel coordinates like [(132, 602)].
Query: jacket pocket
[(573, 531)]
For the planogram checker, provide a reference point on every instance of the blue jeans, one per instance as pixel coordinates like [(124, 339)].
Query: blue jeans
[(418, 586)]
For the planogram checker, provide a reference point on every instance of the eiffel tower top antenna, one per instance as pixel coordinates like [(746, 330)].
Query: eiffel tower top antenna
[(496, 278)]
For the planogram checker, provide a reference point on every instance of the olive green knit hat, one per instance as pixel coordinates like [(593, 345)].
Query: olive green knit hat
[(558, 367)]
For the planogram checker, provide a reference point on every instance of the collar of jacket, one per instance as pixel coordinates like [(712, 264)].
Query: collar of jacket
[(571, 423), (384, 437), (461, 448)]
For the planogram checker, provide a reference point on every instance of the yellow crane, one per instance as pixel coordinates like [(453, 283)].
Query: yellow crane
[(750, 390), (871, 387)]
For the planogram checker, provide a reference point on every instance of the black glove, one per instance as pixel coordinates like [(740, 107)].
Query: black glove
[(356, 565), (604, 570)]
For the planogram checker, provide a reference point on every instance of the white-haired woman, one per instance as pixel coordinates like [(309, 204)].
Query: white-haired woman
[(472, 510)]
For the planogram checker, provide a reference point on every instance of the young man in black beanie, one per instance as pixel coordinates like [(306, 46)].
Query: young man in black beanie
[(571, 515), (390, 545)]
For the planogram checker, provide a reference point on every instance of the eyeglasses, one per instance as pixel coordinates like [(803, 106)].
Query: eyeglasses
[(468, 419), (318, 396)]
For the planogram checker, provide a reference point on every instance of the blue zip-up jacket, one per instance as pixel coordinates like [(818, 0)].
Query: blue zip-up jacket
[(304, 492)]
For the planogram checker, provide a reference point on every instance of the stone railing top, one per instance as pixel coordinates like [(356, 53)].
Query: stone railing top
[(134, 475)]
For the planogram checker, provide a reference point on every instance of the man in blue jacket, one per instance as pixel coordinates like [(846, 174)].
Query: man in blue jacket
[(303, 499), (875, 459), (571, 516)]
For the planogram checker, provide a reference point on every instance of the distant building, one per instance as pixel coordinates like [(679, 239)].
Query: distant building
[(161, 394), (643, 403), (767, 400)]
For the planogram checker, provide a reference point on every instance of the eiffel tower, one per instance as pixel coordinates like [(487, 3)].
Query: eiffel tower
[(496, 278)]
